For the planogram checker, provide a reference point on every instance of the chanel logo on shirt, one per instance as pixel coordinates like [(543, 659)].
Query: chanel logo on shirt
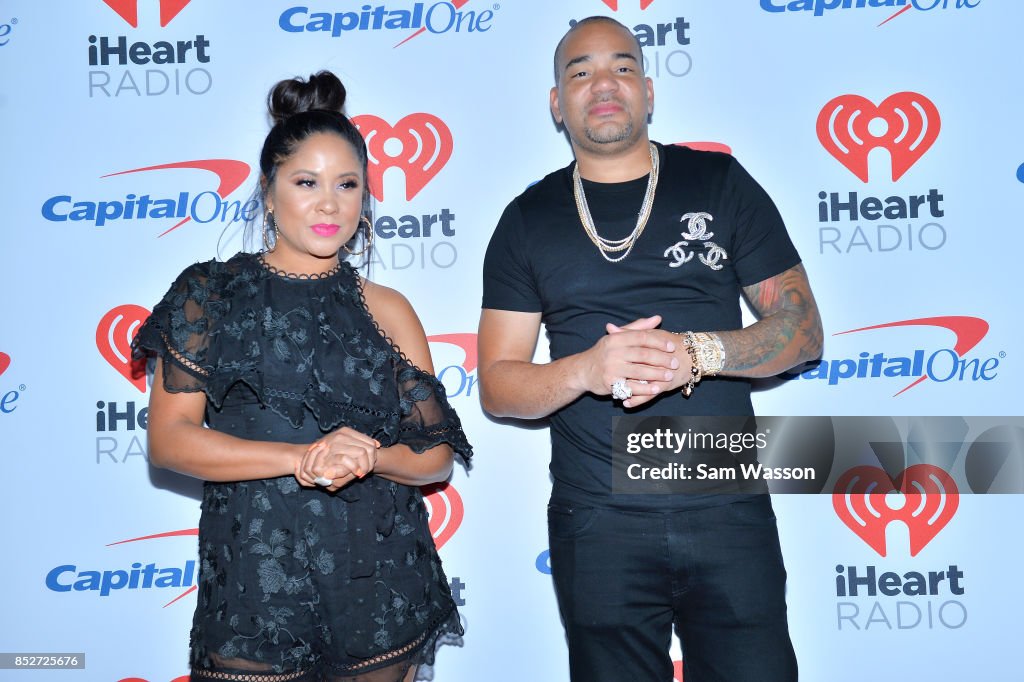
[(708, 252)]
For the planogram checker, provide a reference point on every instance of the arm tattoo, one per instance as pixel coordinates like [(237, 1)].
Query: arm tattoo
[(765, 294), (787, 334)]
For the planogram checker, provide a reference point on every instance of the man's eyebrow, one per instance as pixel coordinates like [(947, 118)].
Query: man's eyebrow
[(584, 58), (577, 60)]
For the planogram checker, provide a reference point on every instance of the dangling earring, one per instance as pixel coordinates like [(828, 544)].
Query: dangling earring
[(269, 244), (369, 238)]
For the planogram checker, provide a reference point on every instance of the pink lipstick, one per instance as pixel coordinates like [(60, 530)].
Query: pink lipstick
[(326, 229)]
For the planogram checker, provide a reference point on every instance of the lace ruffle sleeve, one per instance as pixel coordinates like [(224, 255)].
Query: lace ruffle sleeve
[(427, 417), (177, 331)]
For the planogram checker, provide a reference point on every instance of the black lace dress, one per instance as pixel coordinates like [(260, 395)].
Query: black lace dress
[(300, 583)]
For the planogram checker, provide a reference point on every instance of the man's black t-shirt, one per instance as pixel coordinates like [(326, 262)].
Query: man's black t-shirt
[(713, 230)]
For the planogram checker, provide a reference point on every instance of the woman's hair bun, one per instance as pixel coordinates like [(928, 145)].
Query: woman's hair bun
[(323, 91)]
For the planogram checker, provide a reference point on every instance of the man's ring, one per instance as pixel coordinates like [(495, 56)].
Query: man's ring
[(621, 390), (320, 480)]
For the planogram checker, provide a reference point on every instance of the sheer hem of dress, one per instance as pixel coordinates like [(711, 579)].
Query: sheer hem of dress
[(419, 653), (391, 666), (397, 672), (205, 675)]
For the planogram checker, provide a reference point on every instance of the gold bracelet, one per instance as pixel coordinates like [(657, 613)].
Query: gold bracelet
[(707, 357), (710, 352), (695, 373)]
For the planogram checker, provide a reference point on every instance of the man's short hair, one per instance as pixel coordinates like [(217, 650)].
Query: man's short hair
[(593, 20)]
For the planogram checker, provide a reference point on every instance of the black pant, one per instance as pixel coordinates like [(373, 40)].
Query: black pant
[(623, 578)]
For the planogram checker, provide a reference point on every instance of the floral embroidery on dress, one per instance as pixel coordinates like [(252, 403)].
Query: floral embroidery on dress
[(291, 578)]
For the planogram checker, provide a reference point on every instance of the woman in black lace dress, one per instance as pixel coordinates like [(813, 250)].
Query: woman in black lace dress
[(324, 418)]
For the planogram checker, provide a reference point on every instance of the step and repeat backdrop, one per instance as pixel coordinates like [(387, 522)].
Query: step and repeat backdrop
[(887, 131)]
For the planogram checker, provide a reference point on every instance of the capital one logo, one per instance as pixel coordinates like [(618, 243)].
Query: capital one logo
[(458, 378), (967, 332), (419, 144), (613, 5), (203, 207), (5, 362), (947, 363), (68, 578), (114, 336), (924, 497), (230, 176), (129, 10), (905, 124), (445, 510)]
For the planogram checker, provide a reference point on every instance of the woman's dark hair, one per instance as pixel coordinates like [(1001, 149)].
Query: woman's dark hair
[(300, 108)]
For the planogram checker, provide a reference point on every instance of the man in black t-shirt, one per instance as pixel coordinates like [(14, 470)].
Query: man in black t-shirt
[(635, 257)]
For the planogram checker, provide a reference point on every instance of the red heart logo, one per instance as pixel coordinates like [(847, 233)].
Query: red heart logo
[(426, 146), (444, 507), (911, 125), (930, 496), (5, 362), (114, 339)]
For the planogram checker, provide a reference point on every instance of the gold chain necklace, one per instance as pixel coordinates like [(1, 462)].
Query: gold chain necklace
[(607, 246)]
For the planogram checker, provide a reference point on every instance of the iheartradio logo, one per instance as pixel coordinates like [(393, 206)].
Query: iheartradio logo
[(129, 10), (923, 496), (444, 507), (906, 124), (114, 336), (420, 144)]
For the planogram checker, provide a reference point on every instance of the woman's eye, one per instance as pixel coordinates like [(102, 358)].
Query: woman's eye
[(306, 182)]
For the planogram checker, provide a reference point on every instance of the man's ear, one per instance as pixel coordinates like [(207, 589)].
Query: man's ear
[(555, 110)]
